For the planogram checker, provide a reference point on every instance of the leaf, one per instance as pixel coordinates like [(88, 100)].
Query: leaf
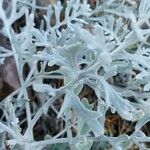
[(17, 147), (123, 142), (112, 71), (2, 130), (83, 128), (53, 59), (90, 117), (142, 121), (130, 39), (115, 29), (66, 104), (116, 102), (70, 54), (44, 88), (144, 8), (84, 145), (95, 126), (92, 42), (78, 87), (147, 87)]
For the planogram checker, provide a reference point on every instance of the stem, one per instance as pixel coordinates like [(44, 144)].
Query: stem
[(3, 126), (18, 61), (46, 105), (75, 139)]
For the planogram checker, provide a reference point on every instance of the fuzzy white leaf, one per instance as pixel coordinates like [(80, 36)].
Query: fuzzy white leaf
[(44, 88)]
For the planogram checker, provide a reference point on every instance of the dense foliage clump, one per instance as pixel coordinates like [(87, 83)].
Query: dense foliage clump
[(79, 74)]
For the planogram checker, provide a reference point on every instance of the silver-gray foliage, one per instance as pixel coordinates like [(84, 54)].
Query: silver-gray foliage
[(111, 39)]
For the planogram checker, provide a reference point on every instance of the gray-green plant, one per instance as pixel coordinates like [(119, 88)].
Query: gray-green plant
[(90, 46)]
